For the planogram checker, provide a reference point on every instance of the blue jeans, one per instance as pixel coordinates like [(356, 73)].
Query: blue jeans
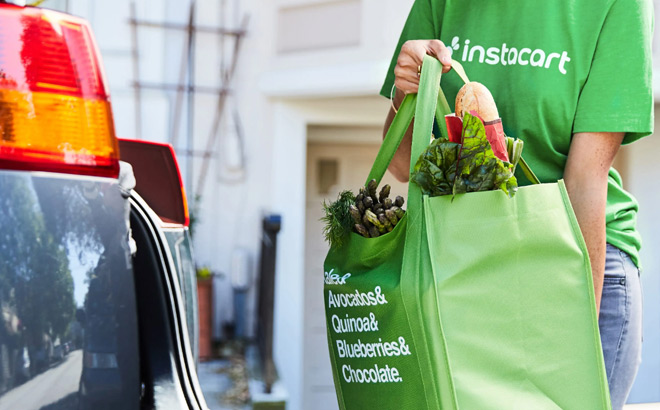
[(620, 324)]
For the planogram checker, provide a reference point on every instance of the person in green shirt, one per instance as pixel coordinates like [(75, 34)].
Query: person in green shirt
[(573, 80)]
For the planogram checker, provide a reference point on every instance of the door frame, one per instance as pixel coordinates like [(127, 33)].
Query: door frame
[(291, 119)]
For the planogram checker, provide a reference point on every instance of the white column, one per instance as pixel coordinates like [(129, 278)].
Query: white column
[(289, 174)]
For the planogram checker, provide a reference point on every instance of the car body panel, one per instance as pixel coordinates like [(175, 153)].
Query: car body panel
[(75, 281), (66, 277)]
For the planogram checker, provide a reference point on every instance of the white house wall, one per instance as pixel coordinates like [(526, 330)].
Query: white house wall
[(327, 71)]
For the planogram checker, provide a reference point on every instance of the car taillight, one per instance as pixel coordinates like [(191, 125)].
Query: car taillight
[(158, 177), (55, 112)]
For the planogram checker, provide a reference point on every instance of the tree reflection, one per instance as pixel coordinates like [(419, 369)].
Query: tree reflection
[(57, 235), (75, 207), (34, 274)]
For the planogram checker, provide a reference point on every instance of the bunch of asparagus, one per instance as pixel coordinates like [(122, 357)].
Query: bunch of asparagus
[(375, 215)]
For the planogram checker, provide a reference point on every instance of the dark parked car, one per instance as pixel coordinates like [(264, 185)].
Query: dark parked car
[(97, 284)]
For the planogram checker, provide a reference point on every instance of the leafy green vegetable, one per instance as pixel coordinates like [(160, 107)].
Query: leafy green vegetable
[(479, 169), (338, 220), (447, 168), (435, 169)]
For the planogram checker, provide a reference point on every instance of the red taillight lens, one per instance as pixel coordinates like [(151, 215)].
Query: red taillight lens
[(55, 112), (158, 177)]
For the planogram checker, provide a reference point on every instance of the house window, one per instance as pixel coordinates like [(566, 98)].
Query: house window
[(328, 175)]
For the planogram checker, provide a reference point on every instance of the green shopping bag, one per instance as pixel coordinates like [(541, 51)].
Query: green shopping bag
[(375, 364), (491, 296)]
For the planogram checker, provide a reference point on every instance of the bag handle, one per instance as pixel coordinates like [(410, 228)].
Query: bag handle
[(529, 174), (393, 138), (400, 125), (430, 103), (427, 108)]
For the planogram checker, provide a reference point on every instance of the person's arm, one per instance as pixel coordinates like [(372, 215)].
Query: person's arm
[(589, 159), (406, 81)]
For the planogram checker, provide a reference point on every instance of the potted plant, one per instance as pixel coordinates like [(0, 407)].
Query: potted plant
[(205, 304)]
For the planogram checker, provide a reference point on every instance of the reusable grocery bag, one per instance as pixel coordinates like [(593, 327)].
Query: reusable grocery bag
[(374, 362), (478, 301)]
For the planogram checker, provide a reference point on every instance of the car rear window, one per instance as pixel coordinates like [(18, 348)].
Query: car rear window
[(68, 330)]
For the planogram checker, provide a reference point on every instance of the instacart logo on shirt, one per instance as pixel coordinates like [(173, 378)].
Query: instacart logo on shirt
[(506, 55)]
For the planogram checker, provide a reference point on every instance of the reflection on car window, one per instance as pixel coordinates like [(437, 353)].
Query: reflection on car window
[(68, 333)]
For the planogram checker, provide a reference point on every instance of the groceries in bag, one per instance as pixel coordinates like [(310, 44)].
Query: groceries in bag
[(369, 213), (478, 156)]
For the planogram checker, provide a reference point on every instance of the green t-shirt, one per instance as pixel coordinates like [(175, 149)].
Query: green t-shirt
[(554, 68)]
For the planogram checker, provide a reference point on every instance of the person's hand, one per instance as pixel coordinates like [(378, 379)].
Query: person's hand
[(406, 80), (409, 62)]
